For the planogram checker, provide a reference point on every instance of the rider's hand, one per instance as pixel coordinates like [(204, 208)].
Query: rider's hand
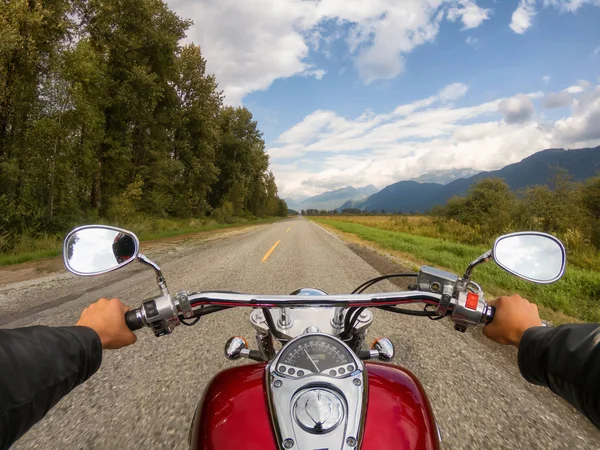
[(514, 315), (107, 318)]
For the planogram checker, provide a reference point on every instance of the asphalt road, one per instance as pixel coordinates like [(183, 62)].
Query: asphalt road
[(144, 396)]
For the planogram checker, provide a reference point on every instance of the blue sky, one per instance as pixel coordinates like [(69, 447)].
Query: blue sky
[(355, 92)]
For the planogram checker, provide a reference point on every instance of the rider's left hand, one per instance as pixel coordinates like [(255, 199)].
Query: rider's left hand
[(107, 318)]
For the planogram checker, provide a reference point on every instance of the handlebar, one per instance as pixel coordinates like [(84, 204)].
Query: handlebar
[(162, 315), (134, 319)]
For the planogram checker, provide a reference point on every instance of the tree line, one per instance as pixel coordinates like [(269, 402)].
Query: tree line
[(348, 212), (105, 115), (567, 209)]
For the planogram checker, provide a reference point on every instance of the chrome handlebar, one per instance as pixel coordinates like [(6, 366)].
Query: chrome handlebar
[(164, 313)]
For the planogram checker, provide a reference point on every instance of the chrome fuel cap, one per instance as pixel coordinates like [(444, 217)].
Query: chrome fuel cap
[(319, 411)]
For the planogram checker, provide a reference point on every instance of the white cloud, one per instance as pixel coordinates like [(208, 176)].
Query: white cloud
[(453, 91), (516, 109), (469, 13), (522, 17), (584, 125), (570, 5), (536, 95), (249, 44), (317, 73), (574, 89), (326, 151), (546, 78)]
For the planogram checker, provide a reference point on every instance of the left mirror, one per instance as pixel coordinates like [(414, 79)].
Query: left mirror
[(96, 249)]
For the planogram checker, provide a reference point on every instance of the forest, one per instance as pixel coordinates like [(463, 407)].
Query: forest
[(106, 116)]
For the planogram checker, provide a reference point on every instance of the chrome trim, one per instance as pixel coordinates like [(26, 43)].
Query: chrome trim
[(106, 227), (160, 279), (166, 318), (319, 410), (482, 259), (234, 347), (346, 300), (338, 317), (283, 392), (183, 304), (384, 348), (533, 233), (285, 320), (317, 320)]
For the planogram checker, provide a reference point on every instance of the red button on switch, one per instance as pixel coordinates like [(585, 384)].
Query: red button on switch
[(472, 301)]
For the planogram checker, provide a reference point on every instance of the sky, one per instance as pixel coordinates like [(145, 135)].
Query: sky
[(358, 92)]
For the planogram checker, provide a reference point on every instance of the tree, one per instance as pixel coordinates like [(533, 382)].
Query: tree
[(489, 205), (104, 114)]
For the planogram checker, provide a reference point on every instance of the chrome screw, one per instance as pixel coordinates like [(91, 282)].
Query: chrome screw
[(277, 384), (351, 442), (288, 443), (356, 382)]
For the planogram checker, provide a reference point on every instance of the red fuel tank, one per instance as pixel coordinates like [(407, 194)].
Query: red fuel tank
[(234, 413)]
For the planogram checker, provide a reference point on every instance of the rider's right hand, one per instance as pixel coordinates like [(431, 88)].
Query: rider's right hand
[(514, 315), (107, 318)]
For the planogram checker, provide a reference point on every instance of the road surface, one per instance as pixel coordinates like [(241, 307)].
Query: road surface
[(144, 396)]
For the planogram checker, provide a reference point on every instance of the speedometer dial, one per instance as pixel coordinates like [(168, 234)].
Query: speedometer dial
[(316, 354)]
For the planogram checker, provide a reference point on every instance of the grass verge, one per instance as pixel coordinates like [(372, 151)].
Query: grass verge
[(157, 230), (576, 295)]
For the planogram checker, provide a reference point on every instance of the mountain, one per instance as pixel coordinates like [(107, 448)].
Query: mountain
[(407, 196), (332, 199), (445, 176), (293, 202)]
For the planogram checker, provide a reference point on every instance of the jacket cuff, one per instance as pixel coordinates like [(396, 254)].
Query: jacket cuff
[(532, 356), (91, 348)]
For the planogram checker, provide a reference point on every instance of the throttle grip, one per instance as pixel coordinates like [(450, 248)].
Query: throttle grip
[(133, 319), (488, 315)]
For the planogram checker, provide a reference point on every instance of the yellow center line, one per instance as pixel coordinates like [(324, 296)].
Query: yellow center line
[(264, 258), (288, 229)]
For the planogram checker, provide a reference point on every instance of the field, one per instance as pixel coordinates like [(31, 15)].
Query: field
[(418, 240)]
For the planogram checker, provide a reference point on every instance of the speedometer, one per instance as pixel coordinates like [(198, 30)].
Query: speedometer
[(316, 354)]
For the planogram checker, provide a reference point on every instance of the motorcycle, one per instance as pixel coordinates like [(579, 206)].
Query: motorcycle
[(320, 390)]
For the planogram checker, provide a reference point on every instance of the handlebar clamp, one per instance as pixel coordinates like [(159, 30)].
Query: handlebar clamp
[(182, 303)]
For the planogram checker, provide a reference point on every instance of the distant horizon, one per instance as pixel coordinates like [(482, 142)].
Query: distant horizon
[(477, 171)]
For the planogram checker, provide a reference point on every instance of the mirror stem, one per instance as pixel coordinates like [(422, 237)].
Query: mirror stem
[(160, 279), (483, 258)]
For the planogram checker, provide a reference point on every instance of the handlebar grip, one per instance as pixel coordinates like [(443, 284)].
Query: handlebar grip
[(488, 315), (133, 319)]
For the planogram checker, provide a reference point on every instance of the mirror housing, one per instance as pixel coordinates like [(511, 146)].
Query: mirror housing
[(531, 255), (96, 249)]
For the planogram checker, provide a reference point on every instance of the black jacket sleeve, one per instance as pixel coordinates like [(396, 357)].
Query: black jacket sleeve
[(567, 360), (39, 366)]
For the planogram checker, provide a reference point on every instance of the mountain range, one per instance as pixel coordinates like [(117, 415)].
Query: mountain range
[(412, 196), (332, 199), (445, 176)]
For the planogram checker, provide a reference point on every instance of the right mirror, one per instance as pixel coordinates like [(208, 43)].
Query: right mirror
[(537, 257)]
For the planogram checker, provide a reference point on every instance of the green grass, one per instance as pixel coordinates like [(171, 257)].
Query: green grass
[(577, 294), (148, 230)]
